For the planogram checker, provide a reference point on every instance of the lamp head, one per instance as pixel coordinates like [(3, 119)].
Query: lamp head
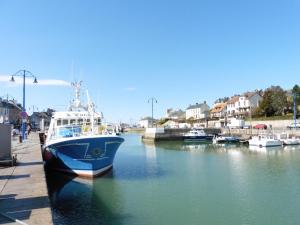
[(35, 81), (12, 79)]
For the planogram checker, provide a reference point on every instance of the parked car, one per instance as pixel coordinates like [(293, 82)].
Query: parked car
[(261, 126), (292, 125), (247, 127)]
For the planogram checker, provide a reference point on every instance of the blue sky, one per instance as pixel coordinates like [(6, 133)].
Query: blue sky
[(180, 52)]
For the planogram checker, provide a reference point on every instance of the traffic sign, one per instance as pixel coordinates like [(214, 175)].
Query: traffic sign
[(23, 114)]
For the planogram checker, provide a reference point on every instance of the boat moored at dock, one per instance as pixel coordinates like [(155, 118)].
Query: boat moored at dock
[(225, 139), (77, 143), (287, 140), (265, 141), (197, 135)]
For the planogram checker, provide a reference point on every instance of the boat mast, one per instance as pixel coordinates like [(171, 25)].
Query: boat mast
[(90, 107), (76, 104)]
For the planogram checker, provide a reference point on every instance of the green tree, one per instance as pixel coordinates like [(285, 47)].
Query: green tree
[(295, 90), (162, 121), (274, 102)]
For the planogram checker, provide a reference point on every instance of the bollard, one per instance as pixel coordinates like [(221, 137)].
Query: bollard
[(42, 138)]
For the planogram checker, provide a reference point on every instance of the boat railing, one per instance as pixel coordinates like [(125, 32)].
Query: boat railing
[(75, 131)]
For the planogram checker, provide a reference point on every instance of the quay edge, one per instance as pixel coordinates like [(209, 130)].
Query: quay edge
[(171, 134), (24, 194)]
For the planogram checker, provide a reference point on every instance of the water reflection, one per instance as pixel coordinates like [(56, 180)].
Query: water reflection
[(291, 147), (194, 147), (231, 148), (184, 183), (267, 150), (178, 146), (77, 200)]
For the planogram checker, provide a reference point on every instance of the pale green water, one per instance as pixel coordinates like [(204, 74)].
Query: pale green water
[(178, 184)]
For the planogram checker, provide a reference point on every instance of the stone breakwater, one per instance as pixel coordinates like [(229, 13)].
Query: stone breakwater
[(176, 134)]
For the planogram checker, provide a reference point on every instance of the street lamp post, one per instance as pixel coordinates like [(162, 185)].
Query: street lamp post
[(152, 100), (24, 74), (295, 109)]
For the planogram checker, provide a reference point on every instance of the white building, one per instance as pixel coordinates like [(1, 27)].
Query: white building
[(218, 110), (241, 105), (232, 105), (197, 111), (146, 122)]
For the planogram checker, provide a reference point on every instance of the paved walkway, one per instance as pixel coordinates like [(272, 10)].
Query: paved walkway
[(23, 188)]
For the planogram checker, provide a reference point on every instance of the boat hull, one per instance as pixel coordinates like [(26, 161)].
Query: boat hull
[(197, 138), (84, 156), (229, 140), (291, 141), (263, 143)]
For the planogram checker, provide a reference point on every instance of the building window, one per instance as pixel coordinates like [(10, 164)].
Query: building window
[(58, 122), (65, 122)]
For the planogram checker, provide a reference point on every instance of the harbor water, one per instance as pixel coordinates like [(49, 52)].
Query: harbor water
[(173, 183)]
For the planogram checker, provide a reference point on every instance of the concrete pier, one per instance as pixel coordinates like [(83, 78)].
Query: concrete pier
[(174, 134), (23, 189)]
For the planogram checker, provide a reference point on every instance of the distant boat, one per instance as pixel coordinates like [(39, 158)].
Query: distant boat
[(265, 141), (197, 135), (75, 143), (284, 137), (225, 139)]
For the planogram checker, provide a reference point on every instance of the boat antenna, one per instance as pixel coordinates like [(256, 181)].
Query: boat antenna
[(90, 107)]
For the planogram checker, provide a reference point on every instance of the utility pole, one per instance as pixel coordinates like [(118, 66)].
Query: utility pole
[(250, 118), (152, 100), (295, 109)]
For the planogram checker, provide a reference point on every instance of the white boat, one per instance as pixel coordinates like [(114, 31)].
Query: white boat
[(287, 140), (197, 135), (225, 139), (76, 142), (265, 141)]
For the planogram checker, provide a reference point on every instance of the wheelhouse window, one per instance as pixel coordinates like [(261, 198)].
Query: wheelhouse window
[(80, 121), (72, 122), (88, 121), (99, 121), (58, 123), (65, 122)]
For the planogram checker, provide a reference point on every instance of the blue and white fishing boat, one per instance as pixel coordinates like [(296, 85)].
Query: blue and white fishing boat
[(76, 142)]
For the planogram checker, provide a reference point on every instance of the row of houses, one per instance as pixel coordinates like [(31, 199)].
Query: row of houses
[(10, 113), (238, 106), (41, 120)]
